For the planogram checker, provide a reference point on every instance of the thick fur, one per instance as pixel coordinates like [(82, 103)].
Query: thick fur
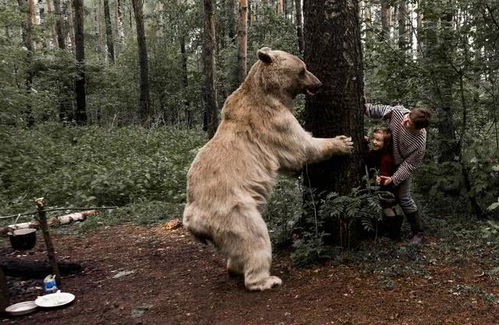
[(233, 174)]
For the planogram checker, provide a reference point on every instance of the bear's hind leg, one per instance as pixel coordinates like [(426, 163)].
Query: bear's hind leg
[(257, 270), (235, 266), (252, 250)]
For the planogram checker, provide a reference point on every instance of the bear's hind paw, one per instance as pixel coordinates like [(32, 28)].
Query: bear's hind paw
[(265, 284)]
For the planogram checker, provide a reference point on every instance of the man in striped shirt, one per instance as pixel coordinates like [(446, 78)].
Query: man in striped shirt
[(409, 145)]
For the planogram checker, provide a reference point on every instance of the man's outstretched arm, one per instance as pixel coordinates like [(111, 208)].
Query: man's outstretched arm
[(378, 111)]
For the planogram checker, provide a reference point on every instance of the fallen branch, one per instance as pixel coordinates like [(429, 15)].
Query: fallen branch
[(55, 209), (52, 222)]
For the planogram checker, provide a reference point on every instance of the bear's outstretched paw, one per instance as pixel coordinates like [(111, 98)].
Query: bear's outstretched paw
[(343, 144), (265, 284)]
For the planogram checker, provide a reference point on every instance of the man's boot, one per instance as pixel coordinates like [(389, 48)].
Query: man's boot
[(394, 227), (414, 220)]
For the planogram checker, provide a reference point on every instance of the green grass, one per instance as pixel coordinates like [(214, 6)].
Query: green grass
[(143, 171)]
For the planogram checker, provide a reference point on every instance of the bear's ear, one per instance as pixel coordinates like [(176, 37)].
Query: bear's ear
[(265, 55)]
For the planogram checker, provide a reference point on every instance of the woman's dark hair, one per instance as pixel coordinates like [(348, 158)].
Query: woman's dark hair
[(387, 138)]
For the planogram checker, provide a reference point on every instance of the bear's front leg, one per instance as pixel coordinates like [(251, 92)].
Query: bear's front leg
[(323, 148)]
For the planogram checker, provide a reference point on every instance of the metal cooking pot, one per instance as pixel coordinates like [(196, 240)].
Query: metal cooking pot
[(23, 239)]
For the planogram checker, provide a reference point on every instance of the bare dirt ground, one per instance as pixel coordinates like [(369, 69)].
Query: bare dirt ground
[(178, 281)]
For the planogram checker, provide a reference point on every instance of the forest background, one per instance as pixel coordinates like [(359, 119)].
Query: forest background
[(106, 102)]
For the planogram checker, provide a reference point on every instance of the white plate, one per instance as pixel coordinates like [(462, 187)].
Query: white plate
[(55, 299), (21, 308)]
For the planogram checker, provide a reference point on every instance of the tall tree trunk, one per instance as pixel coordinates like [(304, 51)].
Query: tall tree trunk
[(419, 29), (81, 113), (59, 22), (185, 82), (280, 6), (70, 25), (52, 27), (209, 92), (119, 23), (299, 24), (252, 13), (100, 30), (32, 12), (145, 110), (385, 19), (26, 7), (402, 25), (109, 32), (231, 20), (368, 11), (243, 39), (332, 31)]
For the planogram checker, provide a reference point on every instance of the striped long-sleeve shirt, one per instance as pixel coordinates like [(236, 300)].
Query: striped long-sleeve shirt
[(408, 148)]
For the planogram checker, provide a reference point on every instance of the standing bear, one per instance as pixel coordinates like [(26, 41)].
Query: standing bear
[(232, 175)]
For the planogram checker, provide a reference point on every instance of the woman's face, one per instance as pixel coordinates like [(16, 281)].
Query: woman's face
[(378, 140)]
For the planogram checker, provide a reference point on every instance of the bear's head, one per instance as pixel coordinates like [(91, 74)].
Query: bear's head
[(282, 73)]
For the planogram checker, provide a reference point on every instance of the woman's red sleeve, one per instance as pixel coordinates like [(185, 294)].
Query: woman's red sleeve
[(387, 165)]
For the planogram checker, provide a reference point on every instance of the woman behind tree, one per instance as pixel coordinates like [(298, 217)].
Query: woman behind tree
[(379, 157), (409, 146)]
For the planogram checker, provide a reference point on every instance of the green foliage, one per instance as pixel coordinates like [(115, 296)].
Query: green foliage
[(453, 72), (271, 30), (490, 230), (360, 206), (84, 166), (283, 210), (310, 249)]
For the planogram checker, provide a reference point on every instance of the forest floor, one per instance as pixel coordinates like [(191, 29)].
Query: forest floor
[(170, 279)]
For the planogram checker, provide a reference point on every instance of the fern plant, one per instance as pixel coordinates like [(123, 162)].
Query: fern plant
[(361, 206)]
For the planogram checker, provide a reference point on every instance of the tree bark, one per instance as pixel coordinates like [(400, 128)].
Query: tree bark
[(100, 30), (52, 27), (243, 39), (185, 82), (231, 20), (32, 13), (119, 23), (332, 31), (145, 112), (59, 22), (81, 114), (385, 19), (109, 32), (299, 24), (280, 6), (209, 92), (70, 28), (402, 25)]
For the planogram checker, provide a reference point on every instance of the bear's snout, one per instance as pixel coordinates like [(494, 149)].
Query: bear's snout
[(313, 88), (312, 84)]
